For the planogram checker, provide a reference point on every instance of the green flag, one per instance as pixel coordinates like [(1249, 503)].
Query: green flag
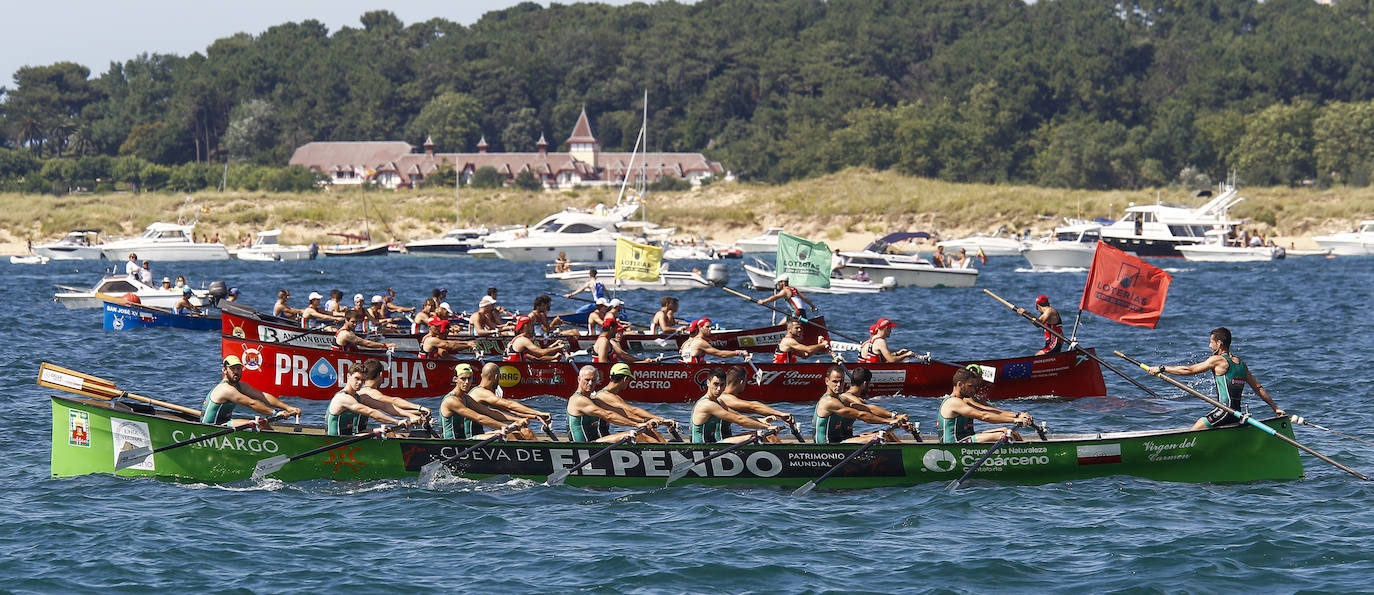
[(806, 263)]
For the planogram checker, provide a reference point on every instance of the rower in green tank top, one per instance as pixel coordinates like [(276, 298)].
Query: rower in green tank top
[(462, 417), (1231, 376), (843, 403), (711, 420), (589, 416), (231, 390), (964, 404), (349, 410)]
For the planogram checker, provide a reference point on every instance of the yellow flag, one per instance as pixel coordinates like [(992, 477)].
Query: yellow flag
[(636, 262)]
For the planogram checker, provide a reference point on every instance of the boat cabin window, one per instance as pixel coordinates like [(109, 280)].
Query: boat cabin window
[(550, 227), (1147, 217), (579, 228), (1130, 217), (1066, 236), (118, 287), (1181, 231), (858, 260), (1092, 236), (1367, 228)]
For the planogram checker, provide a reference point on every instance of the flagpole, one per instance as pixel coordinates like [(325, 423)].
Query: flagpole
[(1073, 337)]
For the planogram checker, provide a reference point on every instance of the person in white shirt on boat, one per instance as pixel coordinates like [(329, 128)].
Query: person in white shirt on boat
[(166, 284), (131, 268), (698, 346), (145, 274), (231, 390), (179, 283), (794, 297)]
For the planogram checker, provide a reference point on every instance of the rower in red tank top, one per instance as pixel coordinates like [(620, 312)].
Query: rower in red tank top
[(695, 348), (875, 349), (790, 348)]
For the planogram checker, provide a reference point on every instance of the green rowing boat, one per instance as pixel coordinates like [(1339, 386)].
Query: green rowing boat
[(88, 435)]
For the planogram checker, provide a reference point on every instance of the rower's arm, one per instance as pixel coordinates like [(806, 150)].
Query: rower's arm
[(260, 396), (625, 354), (361, 342), (1260, 390), (708, 349), (861, 415), (547, 353), (613, 400), (371, 412), (987, 414), (738, 419), (455, 406), (241, 399), (1209, 364), (810, 350), (773, 298), (609, 414), (754, 407), (881, 348), (518, 409)]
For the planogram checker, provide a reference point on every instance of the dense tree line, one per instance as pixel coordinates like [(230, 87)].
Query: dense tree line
[(1075, 93)]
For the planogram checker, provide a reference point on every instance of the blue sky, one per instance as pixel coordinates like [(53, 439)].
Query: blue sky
[(96, 32)]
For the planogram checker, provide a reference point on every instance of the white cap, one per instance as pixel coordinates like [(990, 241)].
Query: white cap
[(601, 301), (357, 297), (781, 278), (445, 306), (166, 279), (486, 299), (376, 299), (315, 295), (616, 302)]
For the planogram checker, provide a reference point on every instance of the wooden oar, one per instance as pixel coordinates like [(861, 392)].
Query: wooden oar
[(811, 485), (681, 469), (91, 386), (133, 456), (272, 465), (548, 430), (803, 319), (1067, 342), (796, 432), (431, 469), (1243, 417), (557, 477), (954, 485)]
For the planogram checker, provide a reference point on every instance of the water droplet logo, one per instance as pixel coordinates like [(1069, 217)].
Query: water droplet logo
[(938, 460), (322, 374)]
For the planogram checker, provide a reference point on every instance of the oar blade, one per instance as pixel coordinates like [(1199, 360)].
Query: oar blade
[(804, 490), (556, 478), (132, 457), (429, 472), (269, 466), (953, 485), (678, 471)]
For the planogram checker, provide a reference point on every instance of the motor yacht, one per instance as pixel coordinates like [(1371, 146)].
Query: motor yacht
[(1158, 230), (165, 242), (454, 242), (765, 243), (266, 247), (1351, 243), (1216, 249), (75, 298), (78, 244), (1072, 246)]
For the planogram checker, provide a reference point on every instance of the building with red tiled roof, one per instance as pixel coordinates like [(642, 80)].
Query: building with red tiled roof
[(395, 164)]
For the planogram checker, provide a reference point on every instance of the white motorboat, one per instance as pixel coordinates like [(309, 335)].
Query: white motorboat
[(668, 280), (689, 252), (78, 244), (266, 248), (1071, 247), (765, 243), (1159, 229), (906, 270), (76, 298), (578, 234), (1001, 243), (761, 277), (454, 242), (1215, 249), (29, 259), (1299, 253), (165, 242), (1351, 243)]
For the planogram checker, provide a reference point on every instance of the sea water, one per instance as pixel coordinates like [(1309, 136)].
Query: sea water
[(1303, 326)]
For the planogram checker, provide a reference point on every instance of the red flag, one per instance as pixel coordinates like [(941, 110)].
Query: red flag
[(1125, 288)]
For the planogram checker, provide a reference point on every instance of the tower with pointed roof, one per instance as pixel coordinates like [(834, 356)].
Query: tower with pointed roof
[(582, 146)]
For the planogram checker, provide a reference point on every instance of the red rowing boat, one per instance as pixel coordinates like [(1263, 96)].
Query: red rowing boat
[(313, 373), (246, 323)]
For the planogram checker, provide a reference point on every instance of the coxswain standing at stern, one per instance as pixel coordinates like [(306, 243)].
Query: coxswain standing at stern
[(794, 297), (1230, 374), (1049, 317)]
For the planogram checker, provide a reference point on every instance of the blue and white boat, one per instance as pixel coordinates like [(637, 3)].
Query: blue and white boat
[(121, 315)]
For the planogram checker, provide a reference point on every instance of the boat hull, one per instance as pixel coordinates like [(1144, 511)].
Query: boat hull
[(356, 250), (916, 275), (667, 281), (61, 252), (315, 373), (760, 278), (1338, 246), (518, 251), (239, 322), (1071, 255), (439, 250), (990, 245), (1212, 253), (169, 252), (126, 316), (88, 435)]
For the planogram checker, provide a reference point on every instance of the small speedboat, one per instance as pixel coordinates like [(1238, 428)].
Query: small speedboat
[(266, 248), (1000, 243), (28, 259), (1351, 243), (75, 298), (78, 244), (165, 242), (1071, 247), (454, 242), (1215, 249), (764, 243), (877, 261), (761, 276)]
